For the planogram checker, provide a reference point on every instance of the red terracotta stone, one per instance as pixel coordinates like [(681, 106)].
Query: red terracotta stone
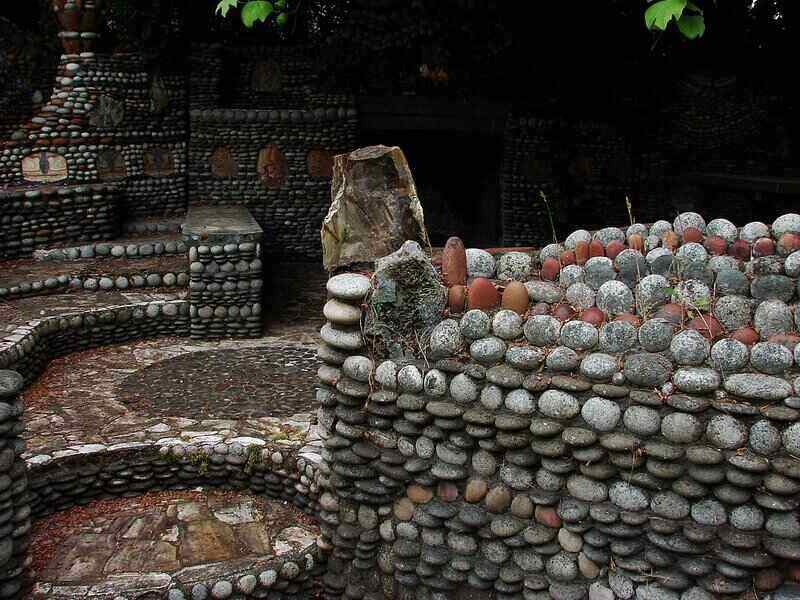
[(547, 516), (563, 312), (671, 240), (593, 315), (550, 269), (482, 294), (793, 571), (634, 320), (581, 253), (614, 248), (674, 313), (740, 249), (457, 299), (707, 326), (763, 247), (567, 258), (447, 492), (454, 262), (692, 234), (789, 340), (515, 297), (789, 242), (768, 580), (746, 335), (636, 242), (715, 245), (596, 249)]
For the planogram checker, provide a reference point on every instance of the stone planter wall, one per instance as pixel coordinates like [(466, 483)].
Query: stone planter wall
[(623, 425), (15, 522), (40, 217), (291, 202), (29, 348)]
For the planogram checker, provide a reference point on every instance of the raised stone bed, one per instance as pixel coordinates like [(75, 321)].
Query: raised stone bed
[(612, 417)]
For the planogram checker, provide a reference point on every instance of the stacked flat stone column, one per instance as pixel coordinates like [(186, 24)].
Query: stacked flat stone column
[(225, 273), (357, 471), (15, 511)]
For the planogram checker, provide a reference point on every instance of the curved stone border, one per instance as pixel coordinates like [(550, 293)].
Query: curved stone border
[(29, 348), (245, 464), (130, 250), (106, 282)]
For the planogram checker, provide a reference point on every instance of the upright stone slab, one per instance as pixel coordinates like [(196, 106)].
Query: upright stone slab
[(226, 272), (14, 533)]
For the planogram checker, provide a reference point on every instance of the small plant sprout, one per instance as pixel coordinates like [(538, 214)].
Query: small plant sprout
[(543, 196)]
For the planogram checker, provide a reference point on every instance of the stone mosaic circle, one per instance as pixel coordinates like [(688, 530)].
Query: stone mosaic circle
[(269, 381)]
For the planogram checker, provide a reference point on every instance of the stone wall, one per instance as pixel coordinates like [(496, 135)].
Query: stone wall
[(277, 163), (37, 217), (611, 417)]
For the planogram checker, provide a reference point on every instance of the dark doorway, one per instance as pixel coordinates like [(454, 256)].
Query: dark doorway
[(457, 178)]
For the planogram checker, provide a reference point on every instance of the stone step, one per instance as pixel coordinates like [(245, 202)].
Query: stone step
[(129, 246)]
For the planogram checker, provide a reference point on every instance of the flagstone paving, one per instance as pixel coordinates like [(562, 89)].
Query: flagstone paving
[(161, 532)]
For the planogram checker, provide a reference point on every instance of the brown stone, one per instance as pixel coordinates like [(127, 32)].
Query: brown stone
[(746, 335), (404, 509), (671, 240), (222, 162), (563, 312), (692, 234), (672, 312), (634, 320), (419, 494), (550, 269), (593, 315), (540, 308), (320, 163), (475, 490), (498, 499), (635, 242), (793, 571), (763, 247), (482, 294), (522, 507), (208, 540), (768, 580), (374, 207), (141, 555), (567, 258), (788, 340), (159, 162), (715, 245), (789, 242), (588, 567), (708, 326), (457, 299), (614, 248), (740, 249), (272, 168), (581, 253), (447, 491), (454, 262), (596, 249), (515, 297), (547, 515)]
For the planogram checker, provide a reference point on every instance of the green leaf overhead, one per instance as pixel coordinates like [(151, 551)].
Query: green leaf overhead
[(256, 10), (662, 12), (692, 26), (223, 6)]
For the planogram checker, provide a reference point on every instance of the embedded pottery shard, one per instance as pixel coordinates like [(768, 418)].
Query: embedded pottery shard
[(374, 207)]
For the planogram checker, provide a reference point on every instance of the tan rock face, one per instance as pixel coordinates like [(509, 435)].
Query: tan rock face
[(374, 207)]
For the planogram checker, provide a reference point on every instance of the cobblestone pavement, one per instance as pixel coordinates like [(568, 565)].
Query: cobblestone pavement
[(277, 380), (161, 532), (75, 406)]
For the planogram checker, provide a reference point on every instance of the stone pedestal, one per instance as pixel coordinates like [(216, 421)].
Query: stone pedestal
[(14, 535), (226, 272)]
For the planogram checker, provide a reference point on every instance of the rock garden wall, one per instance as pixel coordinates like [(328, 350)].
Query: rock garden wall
[(614, 416)]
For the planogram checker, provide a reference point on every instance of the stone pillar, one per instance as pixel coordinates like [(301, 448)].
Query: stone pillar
[(78, 24), (226, 272), (15, 522)]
